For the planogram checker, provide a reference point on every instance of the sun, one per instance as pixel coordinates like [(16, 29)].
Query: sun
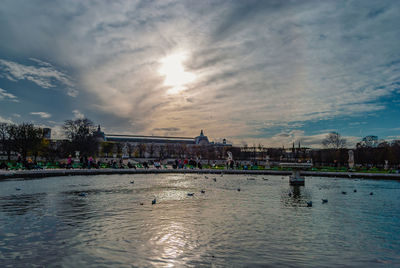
[(173, 70)]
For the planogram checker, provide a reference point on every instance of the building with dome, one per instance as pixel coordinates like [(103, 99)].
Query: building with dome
[(156, 146), (201, 140)]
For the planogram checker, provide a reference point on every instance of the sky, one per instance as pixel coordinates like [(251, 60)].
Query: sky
[(271, 72)]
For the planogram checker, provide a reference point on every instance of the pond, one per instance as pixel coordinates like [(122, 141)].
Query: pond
[(109, 220)]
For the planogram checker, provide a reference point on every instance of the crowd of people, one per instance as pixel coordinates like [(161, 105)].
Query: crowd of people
[(21, 163), (89, 162)]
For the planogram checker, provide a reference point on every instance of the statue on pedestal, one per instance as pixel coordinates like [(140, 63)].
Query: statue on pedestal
[(230, 157), (351, 158), (267, 164), (76, 160), (229, 160), (125, 151)]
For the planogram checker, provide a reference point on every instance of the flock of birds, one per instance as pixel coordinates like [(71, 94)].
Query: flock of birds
[(324, 201), (154, 201)]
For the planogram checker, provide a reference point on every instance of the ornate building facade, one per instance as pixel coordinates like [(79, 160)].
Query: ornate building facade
[(115, 145)]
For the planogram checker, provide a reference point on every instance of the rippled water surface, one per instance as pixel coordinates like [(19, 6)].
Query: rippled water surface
[(98, 221)]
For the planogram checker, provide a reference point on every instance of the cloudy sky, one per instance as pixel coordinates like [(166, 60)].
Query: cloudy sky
[(271, 72)]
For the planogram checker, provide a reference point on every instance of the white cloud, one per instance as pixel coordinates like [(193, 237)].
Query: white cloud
[(286, 139), (78, 114), (282, 73), (4, 95), (45, 75), (40, 62), (41, 114), (57, 130), (393, 138), (265, 62), (5, 120)]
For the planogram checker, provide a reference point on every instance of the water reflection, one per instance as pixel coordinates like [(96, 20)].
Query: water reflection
[(170, 241), (22, 203), (259, 226), (74, 210), (89, 192), (295, 196), (296, 193)]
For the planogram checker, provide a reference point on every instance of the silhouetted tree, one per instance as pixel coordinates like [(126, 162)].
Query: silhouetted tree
[(151, 149), (50, 150), (235, 152), (131, 149), (107, 148), (25, 138), (142, 149), (5, 141), (80, 134), (118, 149), (211, 153), (162, 151), (334, 140), (171, 152), (203, 152), (182, 150)]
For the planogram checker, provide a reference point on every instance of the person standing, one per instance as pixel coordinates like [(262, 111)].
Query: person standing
[(69, 162), (90, 161)]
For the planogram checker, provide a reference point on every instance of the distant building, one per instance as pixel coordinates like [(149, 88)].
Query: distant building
[(147, 139), (201, 140), (296, 154), (99, 134), (155, 143)]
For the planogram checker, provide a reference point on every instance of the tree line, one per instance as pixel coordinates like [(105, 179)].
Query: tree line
[(26, 140)]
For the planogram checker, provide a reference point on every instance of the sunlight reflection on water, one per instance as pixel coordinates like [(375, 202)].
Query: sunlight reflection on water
[(49, 222)]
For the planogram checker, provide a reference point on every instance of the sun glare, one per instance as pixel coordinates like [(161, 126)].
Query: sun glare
[(174, 72)]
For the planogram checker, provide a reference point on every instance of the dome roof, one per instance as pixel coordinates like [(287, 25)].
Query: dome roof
[(202, 140)]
